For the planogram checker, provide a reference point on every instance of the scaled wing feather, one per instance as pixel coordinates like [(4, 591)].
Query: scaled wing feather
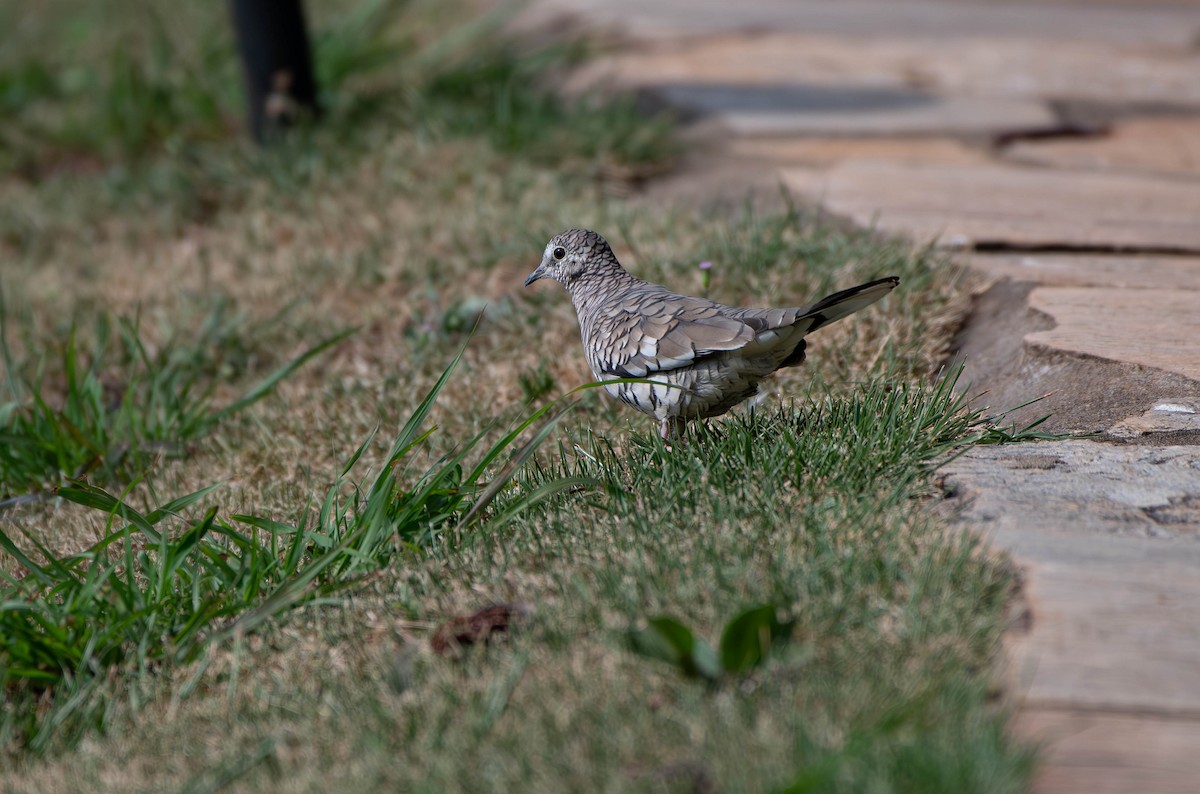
[(673, 332)]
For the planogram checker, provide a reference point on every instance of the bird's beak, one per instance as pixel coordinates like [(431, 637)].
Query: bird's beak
[(538, 272)]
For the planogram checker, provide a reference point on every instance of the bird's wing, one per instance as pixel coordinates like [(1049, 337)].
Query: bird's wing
[(653, 330), (657, 331)]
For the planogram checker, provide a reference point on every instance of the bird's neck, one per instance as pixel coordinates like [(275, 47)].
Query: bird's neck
[(599, 287)]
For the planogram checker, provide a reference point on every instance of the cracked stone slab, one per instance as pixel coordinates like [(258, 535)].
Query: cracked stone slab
[(1002, 206), (1175, 416), (1079, 392), (1148, 327), (1108, 539), (1168, 146)]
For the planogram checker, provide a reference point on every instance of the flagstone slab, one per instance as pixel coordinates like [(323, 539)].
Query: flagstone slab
[(1148, 327), (1108, 539), (1168, 146), (1088, 752), (1125, 271), (980, 66), (1079, 392), (998, 205), (1105, 659), (939, 19)]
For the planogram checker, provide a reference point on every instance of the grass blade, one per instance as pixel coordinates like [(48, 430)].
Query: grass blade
[(268, 384)]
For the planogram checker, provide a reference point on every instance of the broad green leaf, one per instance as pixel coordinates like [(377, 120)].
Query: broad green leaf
[(666, 639), (748, 637)]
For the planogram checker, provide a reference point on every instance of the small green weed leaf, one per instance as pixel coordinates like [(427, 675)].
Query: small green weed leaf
[(704, 661), (748, 637), (666, 639)]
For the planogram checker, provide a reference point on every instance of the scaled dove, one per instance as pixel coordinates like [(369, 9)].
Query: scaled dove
[(708, 357)]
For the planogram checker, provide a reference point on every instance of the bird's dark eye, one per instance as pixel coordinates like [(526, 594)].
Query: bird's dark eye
[(559, 253)]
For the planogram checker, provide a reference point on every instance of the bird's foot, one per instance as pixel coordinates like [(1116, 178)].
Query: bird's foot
[(671, 430)]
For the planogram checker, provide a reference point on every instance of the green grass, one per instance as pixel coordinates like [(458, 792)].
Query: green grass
[(144, 595), (888, 620), (120, 406), (241, 594), (815, 511)]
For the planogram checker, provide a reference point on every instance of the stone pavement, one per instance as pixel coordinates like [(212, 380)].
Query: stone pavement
[(1056, 146)]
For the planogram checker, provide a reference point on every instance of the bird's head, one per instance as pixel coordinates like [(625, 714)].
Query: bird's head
[(572, 254)]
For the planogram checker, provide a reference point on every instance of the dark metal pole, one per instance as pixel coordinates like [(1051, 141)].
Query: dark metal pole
[(277, 62)]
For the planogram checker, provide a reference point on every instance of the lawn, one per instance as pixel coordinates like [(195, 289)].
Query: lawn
[(272, 420)]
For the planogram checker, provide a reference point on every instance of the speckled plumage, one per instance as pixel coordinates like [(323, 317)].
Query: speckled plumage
[(704, 357)]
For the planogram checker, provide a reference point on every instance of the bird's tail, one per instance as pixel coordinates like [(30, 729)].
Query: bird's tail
[(848, 301)]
